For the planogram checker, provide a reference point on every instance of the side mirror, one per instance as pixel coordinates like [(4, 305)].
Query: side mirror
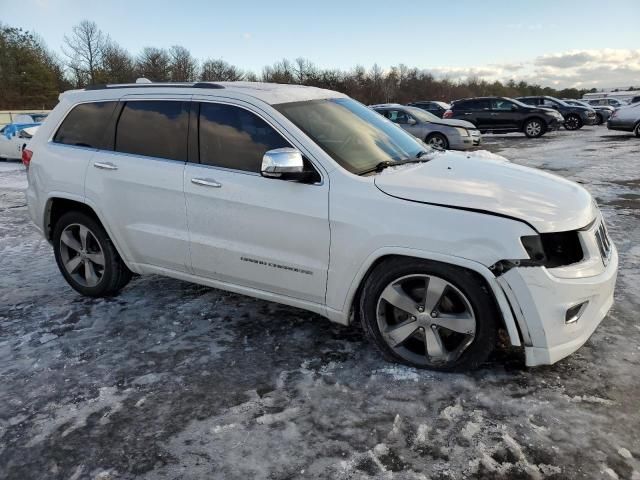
[(411, 121), (283, 163), (514, 108)]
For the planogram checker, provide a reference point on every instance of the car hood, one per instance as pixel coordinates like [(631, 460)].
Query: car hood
[(547, 202), (454, 123)]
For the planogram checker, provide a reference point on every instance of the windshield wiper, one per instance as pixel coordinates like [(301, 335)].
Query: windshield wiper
[(392, 163)]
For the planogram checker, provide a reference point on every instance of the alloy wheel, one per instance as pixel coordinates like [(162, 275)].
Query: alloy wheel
[(425, 319), (533, 128), (438, 142), (572, 123), (82, 255)]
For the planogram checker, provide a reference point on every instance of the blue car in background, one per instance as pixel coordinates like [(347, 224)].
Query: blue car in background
[(14, 137)]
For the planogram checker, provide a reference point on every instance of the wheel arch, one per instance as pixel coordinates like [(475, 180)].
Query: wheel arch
[(545, 125), (481, 272), (58, 204)]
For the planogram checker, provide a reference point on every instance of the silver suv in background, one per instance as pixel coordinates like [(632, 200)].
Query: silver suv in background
[(440, 133)]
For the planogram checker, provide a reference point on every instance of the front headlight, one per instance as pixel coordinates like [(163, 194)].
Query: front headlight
[(462, 131), (553, 249)]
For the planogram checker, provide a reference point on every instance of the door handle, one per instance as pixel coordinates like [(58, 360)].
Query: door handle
[(493, 114), (206, 182), (105, 165), (468, 113)]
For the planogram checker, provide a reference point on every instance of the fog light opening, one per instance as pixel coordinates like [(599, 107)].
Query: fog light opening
[(574, 313)]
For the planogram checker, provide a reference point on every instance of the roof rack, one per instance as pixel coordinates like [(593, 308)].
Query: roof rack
[(104, 86)]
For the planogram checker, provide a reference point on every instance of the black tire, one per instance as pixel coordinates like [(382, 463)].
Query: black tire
[(484, 310), (599, 119), (438, 140), (530, 130), (573, 122), (114, 274), (636, 130)]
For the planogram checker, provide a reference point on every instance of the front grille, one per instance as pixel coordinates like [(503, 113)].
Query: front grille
[(604, 242)]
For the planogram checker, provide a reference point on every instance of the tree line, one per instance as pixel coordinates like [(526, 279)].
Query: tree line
[(32, 76)]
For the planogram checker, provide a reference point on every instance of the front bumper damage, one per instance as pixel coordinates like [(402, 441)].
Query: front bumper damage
[(540, 301)]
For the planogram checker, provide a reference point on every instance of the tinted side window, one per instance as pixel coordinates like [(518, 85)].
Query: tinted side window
[(233, 137), (85, 125), (482, 104), (529, 101), (154, 128)]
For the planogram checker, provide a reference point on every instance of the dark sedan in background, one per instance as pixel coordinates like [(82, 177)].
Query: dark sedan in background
[(575, 116), (432, 106), (505, 115), (603, 112)]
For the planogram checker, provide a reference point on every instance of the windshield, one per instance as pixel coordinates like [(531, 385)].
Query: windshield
[(353, 135), (422, 115)]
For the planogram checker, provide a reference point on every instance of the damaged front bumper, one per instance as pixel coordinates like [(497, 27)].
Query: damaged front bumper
[(552, 315)]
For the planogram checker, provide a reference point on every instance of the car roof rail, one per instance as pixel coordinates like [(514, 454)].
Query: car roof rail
[(105, 86)]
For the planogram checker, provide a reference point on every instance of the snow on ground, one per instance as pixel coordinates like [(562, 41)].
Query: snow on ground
[(172, 380)]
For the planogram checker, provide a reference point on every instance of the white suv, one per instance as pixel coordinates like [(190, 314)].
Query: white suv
[(306, 197)]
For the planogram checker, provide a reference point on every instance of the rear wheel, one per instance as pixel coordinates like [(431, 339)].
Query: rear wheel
[(86, 257), (428, 315), (573, 122), (438, 140), (636, 131), (599, 119), (534, 128)]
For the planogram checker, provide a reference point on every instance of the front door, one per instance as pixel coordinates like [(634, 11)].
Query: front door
[(246, 229), (504, 114)]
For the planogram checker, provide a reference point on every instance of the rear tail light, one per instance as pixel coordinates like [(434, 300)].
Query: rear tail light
[(448, 114), (26, 156)]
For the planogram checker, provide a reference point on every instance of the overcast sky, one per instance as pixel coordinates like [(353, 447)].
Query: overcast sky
[(572, 43)]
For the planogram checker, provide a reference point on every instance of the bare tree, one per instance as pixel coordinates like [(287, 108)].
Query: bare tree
[(85, 49), (220, 71), (182, 66), (117, 64), (154, 64)]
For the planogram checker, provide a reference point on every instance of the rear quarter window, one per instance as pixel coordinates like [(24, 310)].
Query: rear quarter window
[(85, 125)]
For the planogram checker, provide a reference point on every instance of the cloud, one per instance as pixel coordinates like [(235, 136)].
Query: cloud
[(575, 68), (246, 36)]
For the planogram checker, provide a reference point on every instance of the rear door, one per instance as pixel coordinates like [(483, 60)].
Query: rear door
[(246, 229), (476, 111), (137, 185)]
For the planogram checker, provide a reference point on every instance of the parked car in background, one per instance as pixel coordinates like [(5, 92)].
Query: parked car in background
[(439, 133), (575, 116), (603, 112), (505, 115), (612, 102), (626, 119), (22, 116), (635, 99), (14, 137), (434, 107), (433, 252)]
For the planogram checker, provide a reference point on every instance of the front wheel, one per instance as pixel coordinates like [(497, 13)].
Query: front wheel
[(86, 257), (428, 315), (534, 128), (438, 141), (636, 131), (599, 119), (573, 122)]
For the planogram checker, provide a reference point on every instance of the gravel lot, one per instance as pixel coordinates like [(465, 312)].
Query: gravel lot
[(172, 380)]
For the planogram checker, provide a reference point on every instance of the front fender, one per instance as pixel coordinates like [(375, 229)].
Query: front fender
[(343, 316)]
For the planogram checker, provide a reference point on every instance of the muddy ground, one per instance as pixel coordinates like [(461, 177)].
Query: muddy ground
[(172, 380)]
